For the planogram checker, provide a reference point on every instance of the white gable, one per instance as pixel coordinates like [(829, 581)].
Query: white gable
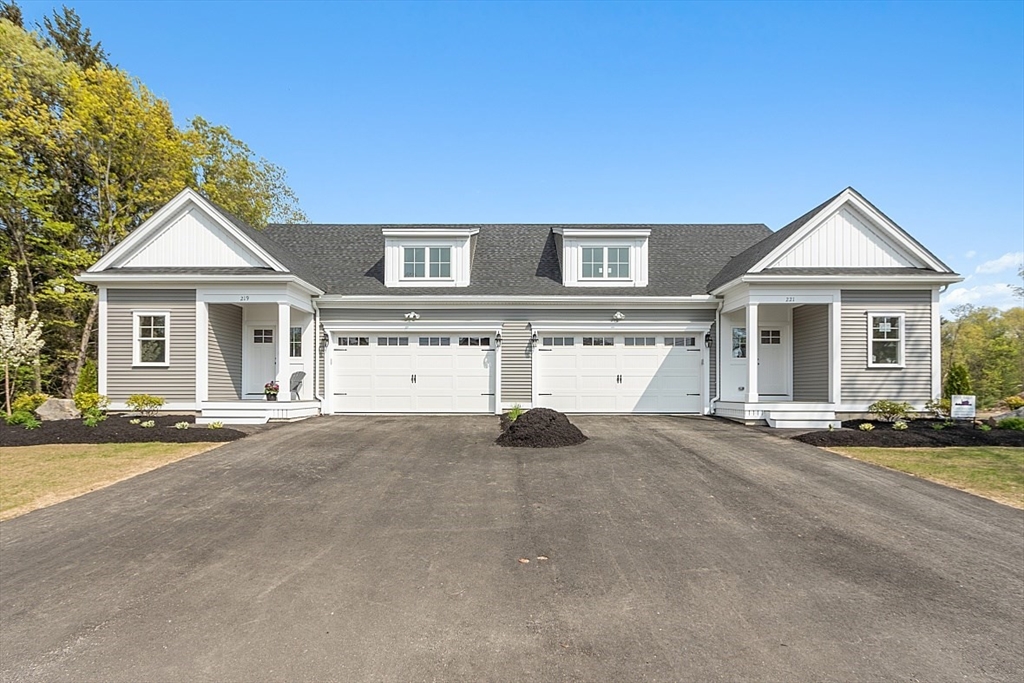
[(193, 239)]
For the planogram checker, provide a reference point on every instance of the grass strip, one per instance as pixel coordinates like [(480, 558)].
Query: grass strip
[(994, 472), (32, 477)]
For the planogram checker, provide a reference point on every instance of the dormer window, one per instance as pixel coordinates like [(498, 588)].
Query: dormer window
[(605, 262), (603, 257), (428, 262), (428, 257)]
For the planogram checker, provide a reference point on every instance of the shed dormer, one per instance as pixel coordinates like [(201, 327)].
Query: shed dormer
[(428, 256), (603, 257)]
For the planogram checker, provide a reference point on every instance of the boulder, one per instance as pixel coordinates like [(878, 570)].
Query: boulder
[(58, 409), (994, 420)]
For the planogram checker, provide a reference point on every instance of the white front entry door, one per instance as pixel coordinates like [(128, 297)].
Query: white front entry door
[(773, 361), (260, 359), (403, 373), (634, 373)]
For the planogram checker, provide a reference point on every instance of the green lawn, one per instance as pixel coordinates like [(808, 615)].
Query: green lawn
[(995, 472), (32, 477)]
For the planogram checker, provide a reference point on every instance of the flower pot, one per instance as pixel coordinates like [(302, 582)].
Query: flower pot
[(271, 397)]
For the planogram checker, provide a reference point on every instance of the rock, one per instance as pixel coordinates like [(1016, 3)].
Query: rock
[(541, 428), (994, 420), (58, 409)]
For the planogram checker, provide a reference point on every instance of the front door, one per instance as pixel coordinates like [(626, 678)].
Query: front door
[(260, 359), (772, 362)]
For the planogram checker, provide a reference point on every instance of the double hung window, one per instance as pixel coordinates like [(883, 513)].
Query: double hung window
[(605, 262), (151, 337), (885, 340), (427, 262)]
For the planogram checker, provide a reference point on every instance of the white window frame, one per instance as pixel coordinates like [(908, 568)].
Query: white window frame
[(427, 263), (901, 316), (292, 342), (604, 247), (136, 340)]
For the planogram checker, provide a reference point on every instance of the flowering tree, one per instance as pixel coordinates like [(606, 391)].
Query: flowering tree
[(20, 338)]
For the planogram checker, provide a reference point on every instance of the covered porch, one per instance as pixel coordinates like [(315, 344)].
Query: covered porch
[(779, 358), (246, 339)]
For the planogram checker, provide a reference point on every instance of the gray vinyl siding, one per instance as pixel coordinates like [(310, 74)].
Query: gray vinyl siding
[(810, 353), (912, 382), (175, 383), (225, 367), (516, 363)]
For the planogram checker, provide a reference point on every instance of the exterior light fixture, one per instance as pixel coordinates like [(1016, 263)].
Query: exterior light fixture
[(619, 316), (707, 339), (533, 338), (412, 316), (497, 338)]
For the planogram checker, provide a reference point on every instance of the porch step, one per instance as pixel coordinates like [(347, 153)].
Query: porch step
[(801, 419)]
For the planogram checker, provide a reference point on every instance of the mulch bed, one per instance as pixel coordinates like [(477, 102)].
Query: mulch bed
[(540, 428), (919, 434), (115, 429)]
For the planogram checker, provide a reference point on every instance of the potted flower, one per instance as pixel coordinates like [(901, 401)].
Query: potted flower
[(270, 390)]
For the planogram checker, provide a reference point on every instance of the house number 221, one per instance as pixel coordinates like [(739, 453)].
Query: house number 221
[(790, 299)]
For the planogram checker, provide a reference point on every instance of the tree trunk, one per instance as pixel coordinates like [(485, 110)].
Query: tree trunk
[(74, 370), (7, 387)]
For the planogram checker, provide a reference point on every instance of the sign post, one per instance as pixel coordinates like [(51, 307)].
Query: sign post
[(961, 407)]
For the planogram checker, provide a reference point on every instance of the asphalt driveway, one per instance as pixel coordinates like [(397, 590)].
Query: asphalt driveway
[(387, 549)]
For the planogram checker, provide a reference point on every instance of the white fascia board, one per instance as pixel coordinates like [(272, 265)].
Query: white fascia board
[(428, 233), (189, 281), (882, 280), (413, 328), (470, 301), (603, 232), (848, 196), (155, 223), (622, 327)]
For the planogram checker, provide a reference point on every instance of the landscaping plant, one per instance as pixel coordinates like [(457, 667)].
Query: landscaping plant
[(146, 404), (23, 418), (958, 380), (147, 424), (939, 406), (1014, 402), (93, 407), (514, 412), (181, 425), (899, 425), (866, 427), (29, 402), (20, 338), (890, 411), (215, 425), (1014, 423)]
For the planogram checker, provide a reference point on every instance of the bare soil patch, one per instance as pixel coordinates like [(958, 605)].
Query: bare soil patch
[(115, 429), (541, 428), (918, 434)]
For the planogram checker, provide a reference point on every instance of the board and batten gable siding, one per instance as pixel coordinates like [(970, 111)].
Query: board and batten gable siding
[(225, 367), (175, 383), (912, 382), (810, 353), (516, 363)]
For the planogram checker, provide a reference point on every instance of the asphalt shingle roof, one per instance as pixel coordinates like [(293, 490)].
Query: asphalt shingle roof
[(513, 259)]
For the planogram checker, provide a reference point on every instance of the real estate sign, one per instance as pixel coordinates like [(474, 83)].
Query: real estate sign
[(961, 407)]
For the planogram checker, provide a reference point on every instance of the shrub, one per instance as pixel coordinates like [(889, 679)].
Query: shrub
[(88, 380), (28, 403), (899, 425), (1012, 402), (146, 404), (890, 411), (134, 421), (866, 427), (1014, 423), (939, 406), (24, 418), (958, 380), (181, 425), (937, 426), (93, 417), (90, 400), (514, 412), (215, 425), (985, 428), (147, 424)]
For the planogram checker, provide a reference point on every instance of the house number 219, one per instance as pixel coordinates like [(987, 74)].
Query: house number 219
[(244, 297)]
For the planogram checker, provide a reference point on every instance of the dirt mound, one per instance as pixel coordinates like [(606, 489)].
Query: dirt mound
[(541, 428), (919, 434)]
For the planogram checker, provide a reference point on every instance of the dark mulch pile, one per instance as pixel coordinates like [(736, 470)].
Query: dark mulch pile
[(115, 429), (541, 428), (919, 433)]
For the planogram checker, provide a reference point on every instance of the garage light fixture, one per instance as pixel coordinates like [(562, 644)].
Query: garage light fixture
[(534, 339), (497, 338), (619, 316), (707, 339), (412, 316)]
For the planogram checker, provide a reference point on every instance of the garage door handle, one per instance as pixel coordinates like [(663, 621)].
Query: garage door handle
[(413, 379), (693, 394), (487, 394), (544, 394)]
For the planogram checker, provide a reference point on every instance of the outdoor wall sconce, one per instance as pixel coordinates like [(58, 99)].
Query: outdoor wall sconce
[(534, 339), (619, 316), (707, 339), (412, 316), (497, 338)]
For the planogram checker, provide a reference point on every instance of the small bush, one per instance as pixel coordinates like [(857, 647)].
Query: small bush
[(514, 412), (134, 421), (899, 425), (146, 404), (1014, 423), (866, 427), (147, 424), (181, 425), (1014, 402), (90, 400), (940, 407), (23, 418), (890, 411), (938, 426), (985, 428), (958, 380), (215, 425), (92, 417), (28, 403), (89, 379)]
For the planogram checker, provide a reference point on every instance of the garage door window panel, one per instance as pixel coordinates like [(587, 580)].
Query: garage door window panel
[(599, 341)]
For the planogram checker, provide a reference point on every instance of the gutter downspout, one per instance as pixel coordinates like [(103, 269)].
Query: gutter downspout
[(320, 352), (718, 358)]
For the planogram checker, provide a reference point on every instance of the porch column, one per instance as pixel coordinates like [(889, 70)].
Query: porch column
[(752, 342), (284, 324), (835, 360), (202, 350)]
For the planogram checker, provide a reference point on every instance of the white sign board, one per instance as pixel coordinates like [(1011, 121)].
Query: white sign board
[(961, 407)]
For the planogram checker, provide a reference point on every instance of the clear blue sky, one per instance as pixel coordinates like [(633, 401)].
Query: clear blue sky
[(613, 112)]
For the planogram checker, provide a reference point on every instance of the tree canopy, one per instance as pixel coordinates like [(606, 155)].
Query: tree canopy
[(87, 153)]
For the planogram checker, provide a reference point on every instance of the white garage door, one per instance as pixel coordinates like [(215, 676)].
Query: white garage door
[(389, 373), (603, 373)]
